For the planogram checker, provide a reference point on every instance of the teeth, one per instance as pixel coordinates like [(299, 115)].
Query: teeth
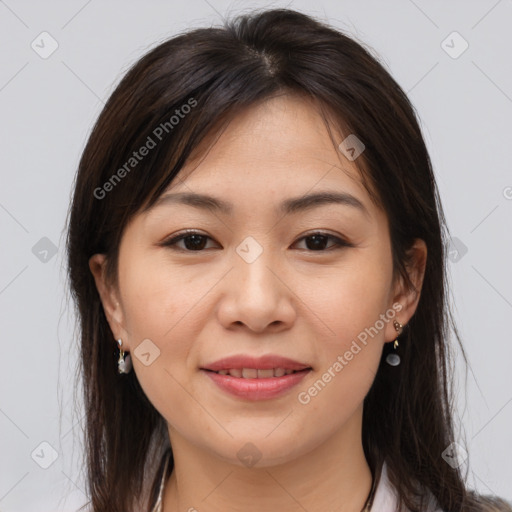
[(249, 373), (253, 373), (265, 374)]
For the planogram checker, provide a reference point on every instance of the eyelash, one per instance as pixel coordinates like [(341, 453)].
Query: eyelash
[(171, 242)]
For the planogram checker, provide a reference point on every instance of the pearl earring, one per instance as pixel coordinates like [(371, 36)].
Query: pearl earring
[(393, 359), (124, 363)]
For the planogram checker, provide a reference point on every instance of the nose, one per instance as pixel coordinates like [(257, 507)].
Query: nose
[(256, 295)]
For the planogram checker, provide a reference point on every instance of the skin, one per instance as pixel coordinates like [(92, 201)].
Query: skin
[(293, 300)]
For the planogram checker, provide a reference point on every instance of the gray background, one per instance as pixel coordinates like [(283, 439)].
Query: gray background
[(47, 109)]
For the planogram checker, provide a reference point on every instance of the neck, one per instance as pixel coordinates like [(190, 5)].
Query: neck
[(332, 476)]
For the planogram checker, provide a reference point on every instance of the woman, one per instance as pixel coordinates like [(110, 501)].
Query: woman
[(256, 251)]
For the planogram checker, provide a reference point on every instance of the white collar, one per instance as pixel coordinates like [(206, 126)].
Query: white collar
[(158, 504), (385, 498)]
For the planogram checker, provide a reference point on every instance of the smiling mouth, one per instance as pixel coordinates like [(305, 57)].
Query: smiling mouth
[(254, 373)]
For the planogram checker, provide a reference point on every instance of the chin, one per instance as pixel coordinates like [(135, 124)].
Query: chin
[(261, 450)]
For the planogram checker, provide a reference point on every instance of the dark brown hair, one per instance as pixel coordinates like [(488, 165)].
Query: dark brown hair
[(217, 72)]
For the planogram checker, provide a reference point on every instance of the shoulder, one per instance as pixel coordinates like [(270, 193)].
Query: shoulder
[(386, 499), (491, 503)]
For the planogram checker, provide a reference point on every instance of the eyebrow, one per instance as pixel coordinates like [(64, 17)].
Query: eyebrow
[(288, 206)]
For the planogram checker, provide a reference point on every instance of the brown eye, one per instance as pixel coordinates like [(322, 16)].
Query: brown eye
[(318, 242), (192, 242)]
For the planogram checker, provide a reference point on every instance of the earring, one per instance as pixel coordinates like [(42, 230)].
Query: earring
[(393, 359), (124, 363)]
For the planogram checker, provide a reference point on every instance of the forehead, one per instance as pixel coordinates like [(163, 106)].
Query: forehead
[(282, 142)]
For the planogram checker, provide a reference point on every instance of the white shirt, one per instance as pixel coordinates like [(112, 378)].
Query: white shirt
[(384, 500)]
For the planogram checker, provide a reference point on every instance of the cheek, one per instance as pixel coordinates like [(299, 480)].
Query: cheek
[(351, 313), (156, 297), (348, 358), (158, 306), (164, 305), (348, 300)]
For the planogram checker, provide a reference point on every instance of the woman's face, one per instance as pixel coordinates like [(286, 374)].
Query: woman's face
[(253, 281)]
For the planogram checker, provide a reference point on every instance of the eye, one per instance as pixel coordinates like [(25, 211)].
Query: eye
[(317, 241), (194, 241)]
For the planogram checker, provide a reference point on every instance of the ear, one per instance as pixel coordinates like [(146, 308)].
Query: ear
[(109, 298), (408, 298)]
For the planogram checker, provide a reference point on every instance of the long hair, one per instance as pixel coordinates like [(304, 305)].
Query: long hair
[(174, 95)]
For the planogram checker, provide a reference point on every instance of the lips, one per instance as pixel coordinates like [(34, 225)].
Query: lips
[(249, 367), (256, 378), (254, 373), (256, 389)]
